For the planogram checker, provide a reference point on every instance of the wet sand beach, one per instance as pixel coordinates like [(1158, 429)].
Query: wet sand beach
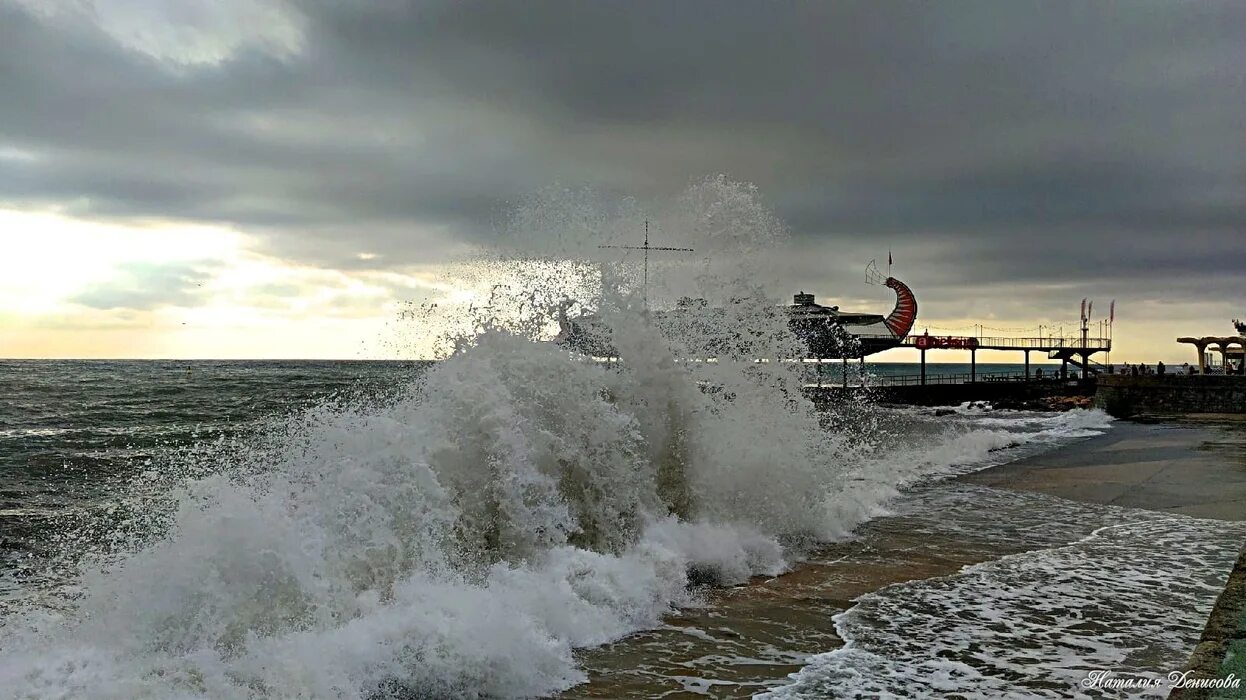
[(1042, 511), (1194, 468)]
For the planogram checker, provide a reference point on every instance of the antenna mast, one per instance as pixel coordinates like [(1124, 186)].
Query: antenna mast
[(646, 247)]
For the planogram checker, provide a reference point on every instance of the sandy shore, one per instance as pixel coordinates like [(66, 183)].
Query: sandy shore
[(1189, 468)]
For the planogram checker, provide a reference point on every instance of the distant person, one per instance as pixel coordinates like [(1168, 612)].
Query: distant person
[(1185, 368), (1159, 367), (1134, 370), (1111, 369), (1038, 373)]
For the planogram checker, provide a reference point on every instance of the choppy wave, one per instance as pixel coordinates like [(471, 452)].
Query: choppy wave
[(511, 504), (464, 541)]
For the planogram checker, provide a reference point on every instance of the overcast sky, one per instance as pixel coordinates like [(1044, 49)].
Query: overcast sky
[(268, 178)]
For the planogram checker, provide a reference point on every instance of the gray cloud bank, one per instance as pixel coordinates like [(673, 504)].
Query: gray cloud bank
[(1018, 142)]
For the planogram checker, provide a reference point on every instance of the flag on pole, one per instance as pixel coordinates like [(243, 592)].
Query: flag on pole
[(1090, 310), (1112, 311), (1083, 312), (888, 257)]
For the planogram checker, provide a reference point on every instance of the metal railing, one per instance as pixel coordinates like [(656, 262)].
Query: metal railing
[(1044, 343), (916, 379)]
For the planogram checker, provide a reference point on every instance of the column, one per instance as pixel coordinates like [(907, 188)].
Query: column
[(923, 351), (973, 366), (1027, 365)]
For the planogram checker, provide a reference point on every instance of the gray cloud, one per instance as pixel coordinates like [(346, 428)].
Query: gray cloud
[(143, 286), (1026, 142)]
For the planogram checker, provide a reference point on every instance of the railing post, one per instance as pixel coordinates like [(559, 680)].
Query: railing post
[(1027, 365), (923, 351), (973, 365)]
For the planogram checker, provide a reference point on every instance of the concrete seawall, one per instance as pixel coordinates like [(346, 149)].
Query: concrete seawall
[(951, 394), (1123, 395)]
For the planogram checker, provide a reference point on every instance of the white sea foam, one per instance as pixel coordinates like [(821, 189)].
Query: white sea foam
[(1129, 597), (463, 538), (462, 541), (928, 449)]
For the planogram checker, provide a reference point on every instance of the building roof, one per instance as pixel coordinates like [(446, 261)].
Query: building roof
[(1220, 340)]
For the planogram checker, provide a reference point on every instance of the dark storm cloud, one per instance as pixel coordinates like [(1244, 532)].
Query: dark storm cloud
[(1022, 142)]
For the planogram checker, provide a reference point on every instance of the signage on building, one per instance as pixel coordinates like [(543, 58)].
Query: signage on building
[(932, 342)]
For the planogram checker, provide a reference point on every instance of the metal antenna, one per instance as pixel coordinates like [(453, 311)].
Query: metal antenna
[(646, 247)]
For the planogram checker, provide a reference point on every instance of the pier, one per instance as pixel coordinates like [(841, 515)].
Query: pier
[(1077, 350), (925, 388)]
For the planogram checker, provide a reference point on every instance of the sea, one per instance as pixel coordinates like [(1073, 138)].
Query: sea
[(505, 523)]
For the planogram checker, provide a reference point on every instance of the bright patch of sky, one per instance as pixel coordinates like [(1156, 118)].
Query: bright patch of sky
[(77, 288), (188, 33)]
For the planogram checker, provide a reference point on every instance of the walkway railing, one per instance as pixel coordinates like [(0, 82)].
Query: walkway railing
[(1009, 343), (916, 379)]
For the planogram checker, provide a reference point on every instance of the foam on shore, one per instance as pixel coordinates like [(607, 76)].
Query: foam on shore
[(1129, 597)]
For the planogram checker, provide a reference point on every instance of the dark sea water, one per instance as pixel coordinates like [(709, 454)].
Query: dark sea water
[(74, 432)]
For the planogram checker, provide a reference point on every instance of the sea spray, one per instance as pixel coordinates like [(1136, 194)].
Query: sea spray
[(514, 502), (462, 541)]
